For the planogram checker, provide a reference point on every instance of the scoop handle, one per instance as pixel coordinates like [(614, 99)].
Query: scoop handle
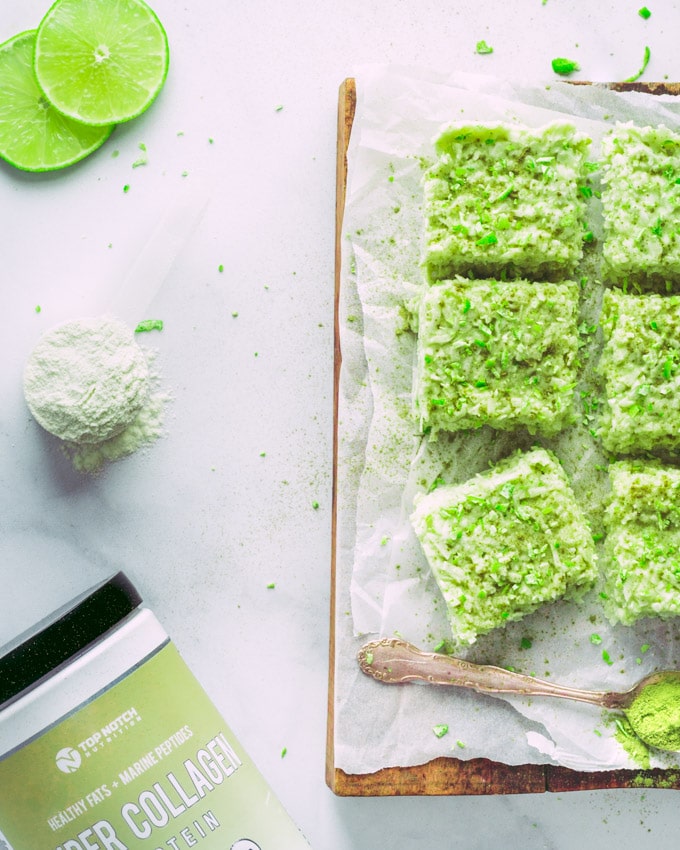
[(395, 661)]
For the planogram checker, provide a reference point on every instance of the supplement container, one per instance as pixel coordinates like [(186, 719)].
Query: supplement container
[(108, 742)]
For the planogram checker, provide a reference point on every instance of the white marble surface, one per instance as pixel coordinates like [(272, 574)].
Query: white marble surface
[(202, 522)]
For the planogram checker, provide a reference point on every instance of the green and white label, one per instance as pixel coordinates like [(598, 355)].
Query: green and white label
[(149, 764)]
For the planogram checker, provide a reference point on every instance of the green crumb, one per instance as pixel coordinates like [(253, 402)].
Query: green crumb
[(384, 540), (369, 658), (315, 505), (644, 13), (38, 308), (644, 648), (149, 325), (596, 640), (234, 314), (278, 108), (440, 730), (126, 188), (526, 643), (460, 744), (483, 48), (283, 752), (263, 454), (271, 585), (645, 61), (114, 154), (185, 174), (564, 67), (220, 268), (606, 657), (142, 160), (211, 141)]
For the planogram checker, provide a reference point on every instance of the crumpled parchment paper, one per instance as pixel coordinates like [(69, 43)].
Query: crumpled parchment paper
[(383, 584)]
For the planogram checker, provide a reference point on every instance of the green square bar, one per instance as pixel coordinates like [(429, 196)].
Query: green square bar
[(505, 201), (640, 365), (642, 565), (505, 542), (498, 353), (641, 205)]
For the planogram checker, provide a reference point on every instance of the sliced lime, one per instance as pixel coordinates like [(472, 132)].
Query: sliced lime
[(101, 61), (33, 135)]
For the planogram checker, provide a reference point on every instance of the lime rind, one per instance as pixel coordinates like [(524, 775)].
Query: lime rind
[(101, 62), (33, 135)]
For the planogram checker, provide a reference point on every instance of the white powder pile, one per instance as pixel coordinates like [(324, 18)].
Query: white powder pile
[(89, 383)]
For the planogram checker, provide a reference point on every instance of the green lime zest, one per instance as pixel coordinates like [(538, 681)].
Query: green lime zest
[(440, 730), (643, 67), (564, 67), (149, 325)]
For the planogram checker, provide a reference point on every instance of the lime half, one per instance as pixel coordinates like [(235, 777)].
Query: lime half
[(33, 135), (101, 61)]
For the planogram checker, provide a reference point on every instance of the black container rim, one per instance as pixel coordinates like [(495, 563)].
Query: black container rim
[(64, 634)]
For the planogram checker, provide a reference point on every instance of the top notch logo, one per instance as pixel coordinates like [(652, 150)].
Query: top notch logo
[(68, 760)]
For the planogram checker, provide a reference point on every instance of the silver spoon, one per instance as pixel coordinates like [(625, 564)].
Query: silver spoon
[(394, 661)]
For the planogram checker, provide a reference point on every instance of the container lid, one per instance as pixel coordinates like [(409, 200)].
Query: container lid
[(64, 634)]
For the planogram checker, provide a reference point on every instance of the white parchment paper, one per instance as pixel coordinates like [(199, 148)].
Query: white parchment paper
[(383, 584)]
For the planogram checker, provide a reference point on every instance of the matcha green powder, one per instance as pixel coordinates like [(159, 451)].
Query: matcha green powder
[(655, 714)]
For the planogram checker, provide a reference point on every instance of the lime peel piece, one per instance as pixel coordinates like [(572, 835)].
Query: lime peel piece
[(645, 61)]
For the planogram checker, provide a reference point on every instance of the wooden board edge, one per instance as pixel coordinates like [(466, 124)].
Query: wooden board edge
[(346, 109), (447, 776)]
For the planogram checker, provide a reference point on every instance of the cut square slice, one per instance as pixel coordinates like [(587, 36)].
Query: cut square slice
[(640, 365), (642, 547), (505, 201), (498, 353), (505, 542), (641, 205)]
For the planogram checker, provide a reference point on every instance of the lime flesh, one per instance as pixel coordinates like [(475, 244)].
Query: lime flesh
[(33, 135), (101, 61)]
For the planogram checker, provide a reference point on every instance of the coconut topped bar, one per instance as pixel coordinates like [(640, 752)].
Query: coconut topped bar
[(642, 547), (505, 200), (641, 205), (640, 365), (498, 353), (505, 542)]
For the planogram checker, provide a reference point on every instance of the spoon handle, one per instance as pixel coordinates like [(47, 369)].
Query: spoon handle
[(394, 661)]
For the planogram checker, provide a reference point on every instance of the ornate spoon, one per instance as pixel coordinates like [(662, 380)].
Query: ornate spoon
[(394, 661)]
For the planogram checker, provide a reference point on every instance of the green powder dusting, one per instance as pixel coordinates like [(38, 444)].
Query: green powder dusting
[(655, 714), (634, 747)]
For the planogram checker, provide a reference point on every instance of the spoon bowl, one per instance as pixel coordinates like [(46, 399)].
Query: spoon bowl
[(395, 661)]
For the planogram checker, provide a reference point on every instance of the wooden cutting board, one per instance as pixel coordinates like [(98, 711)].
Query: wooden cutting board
[(448, 776)]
